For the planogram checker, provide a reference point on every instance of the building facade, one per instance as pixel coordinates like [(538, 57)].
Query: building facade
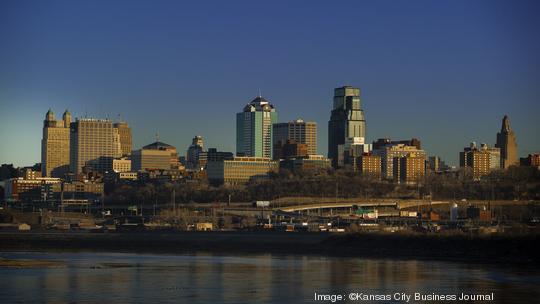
[(55, 145), (506, 141), (289, 149), (308, 162), (125, 140), (121, 164), (346, 120), (28, 190), (193, 152), (532, 160), (91, 145), (476, 159), (212, 155), (298, 131), (494, 156), (155, 156), (369, 165), (240, 170), (254, 128), (410, 168), (389, 152), (351, 150)]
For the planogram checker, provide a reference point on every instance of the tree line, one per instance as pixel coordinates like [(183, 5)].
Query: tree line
[(520, 183)]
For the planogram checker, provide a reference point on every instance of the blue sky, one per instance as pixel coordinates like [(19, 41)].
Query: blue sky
[(443, 71)]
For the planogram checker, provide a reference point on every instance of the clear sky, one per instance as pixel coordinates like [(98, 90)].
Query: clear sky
[(443, 71)]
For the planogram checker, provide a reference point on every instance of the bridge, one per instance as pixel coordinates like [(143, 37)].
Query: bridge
[(396, 204), (336, 206)]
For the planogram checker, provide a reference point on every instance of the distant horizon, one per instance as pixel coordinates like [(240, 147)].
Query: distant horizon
[(445, 72)]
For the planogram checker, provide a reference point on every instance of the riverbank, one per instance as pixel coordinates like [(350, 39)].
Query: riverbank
[(513, 249)]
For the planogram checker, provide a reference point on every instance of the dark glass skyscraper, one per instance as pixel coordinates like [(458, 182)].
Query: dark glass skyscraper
[(346, 121)]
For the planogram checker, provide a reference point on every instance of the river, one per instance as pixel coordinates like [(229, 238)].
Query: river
[(92, 277)]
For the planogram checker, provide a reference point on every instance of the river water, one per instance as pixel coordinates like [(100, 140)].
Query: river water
[(211, 278)]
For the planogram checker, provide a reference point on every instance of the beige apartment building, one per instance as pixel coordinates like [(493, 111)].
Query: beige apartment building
[(479, 160), (410, 169), (389, 152)]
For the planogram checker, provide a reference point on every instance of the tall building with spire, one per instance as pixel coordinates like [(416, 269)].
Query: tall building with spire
[(506, 141), (254, 128), (346, 121), (55, 145)]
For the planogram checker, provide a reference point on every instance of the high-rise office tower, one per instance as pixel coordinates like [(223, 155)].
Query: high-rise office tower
[(92, 145), (55, 145), (300, 131), (124, 132), (346, 121), (254, 128), (506, 141)]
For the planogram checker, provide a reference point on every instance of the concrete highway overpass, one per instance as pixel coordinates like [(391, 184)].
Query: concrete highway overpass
[(397, 205)]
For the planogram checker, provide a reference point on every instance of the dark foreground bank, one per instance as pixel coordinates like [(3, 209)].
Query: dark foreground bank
[(518, 249)]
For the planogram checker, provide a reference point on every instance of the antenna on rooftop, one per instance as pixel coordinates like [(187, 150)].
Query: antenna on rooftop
[(157, 137), (260, 95)]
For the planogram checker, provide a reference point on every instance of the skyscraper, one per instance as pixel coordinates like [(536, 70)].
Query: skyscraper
[(55, 145), (124, 132), (506, 141), (254, 128), (92, 145), (346, 120), (299, 131)]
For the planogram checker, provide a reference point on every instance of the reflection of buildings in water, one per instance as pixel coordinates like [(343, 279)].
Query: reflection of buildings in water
[(262, 278)]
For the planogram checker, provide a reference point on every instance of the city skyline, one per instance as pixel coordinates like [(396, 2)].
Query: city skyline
[(423, 68)]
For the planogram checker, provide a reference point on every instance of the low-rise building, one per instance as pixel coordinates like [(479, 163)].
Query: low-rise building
[(240, 170), (157, 155), (28, 190), (121, 165), (212, 155), (289, 149), (309, 162)]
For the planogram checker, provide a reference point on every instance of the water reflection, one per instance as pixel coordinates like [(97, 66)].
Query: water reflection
[(207, 278)]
